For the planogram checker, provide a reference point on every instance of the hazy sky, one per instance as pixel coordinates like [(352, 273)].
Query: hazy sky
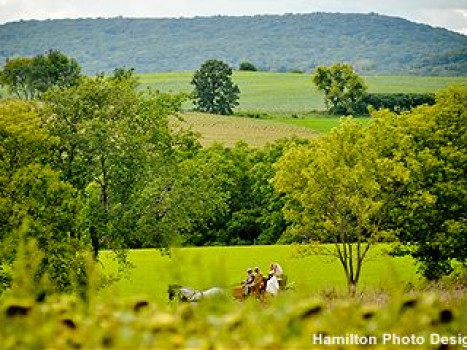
[(451, 14)]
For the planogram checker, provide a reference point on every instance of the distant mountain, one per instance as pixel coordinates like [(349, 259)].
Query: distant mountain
[(445, 63), (373, 43)]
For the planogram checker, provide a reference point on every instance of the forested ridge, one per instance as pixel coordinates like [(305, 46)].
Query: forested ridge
[(372, 43)]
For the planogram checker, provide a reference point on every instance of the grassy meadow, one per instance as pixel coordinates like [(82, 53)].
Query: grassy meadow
[(293, 92), (204, 267)]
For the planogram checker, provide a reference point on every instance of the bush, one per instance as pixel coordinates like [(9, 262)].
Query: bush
[(5, 279), (247, 66), (398, 102)]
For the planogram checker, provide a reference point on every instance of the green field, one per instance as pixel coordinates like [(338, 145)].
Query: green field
[(279, 98), (315, 122), (291, 92), (276, 97), (226, 266)]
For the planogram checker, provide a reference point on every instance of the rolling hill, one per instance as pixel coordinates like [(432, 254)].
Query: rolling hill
[(373, 43)]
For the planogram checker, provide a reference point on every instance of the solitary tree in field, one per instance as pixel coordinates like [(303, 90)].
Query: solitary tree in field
[(343, 89), (214, 90), (338, 190)]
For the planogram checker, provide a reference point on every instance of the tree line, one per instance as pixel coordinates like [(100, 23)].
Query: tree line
[(345, 93), (95, 164)]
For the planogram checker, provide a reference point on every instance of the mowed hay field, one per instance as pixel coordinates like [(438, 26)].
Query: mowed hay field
[(292, 92), (205, 267), (228, 129)]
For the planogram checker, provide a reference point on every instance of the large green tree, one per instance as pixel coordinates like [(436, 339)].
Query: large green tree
[(30, 77), (16, 76), (338, 189), (430, 215), (343, 89), (115, 141), (214, 90), (34, 202)]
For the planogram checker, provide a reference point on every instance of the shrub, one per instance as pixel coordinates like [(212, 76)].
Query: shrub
[(398, 102), (247, 66)]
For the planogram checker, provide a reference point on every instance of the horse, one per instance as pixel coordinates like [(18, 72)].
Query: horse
[(186, 294)]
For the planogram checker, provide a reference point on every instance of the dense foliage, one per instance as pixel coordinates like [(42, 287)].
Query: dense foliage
[(253, 212), (34, 202), (373, 44), (339, 187), (247, 66), (214, 91), (344, 90), (111, 139), (445, 62), (429, 215), (402, 177), (31, 77), (398, 102), (345, 93)]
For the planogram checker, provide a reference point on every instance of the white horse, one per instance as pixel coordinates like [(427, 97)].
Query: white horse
[(193, 295)]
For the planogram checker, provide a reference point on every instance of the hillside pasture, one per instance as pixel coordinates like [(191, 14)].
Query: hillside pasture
[(205, 267), (278, 99), (292, 92)]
